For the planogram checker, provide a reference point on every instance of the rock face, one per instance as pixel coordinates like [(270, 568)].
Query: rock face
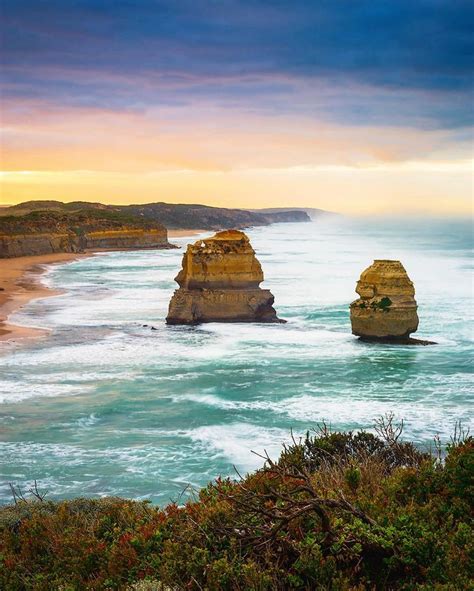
[(386, 309), (219, 282), (85, 228), (126, 238), (19, 245), (35, 244)]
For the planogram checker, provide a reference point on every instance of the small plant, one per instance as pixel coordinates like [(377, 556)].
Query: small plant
[(383, 304), (149, 585), (353, 477)]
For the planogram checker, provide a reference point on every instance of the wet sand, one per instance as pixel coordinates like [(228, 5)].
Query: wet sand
[(19, 283), (184, 233)]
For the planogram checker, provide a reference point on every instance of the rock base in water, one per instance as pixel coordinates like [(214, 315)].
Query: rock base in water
[(219, 282), (194, 307), (397, 341)]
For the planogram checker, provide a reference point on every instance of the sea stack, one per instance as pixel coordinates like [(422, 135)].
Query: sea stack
[(387, 309), (219, 282)]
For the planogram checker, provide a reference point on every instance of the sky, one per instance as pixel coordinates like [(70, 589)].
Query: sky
[(356, 106)]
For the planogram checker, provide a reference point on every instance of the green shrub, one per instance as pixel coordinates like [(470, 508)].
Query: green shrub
[(148, 585)]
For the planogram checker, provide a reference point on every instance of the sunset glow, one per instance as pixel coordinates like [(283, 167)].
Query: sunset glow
[(151, 114)]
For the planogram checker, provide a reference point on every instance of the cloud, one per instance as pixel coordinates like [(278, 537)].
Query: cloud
[(401, 63), (207, 137)]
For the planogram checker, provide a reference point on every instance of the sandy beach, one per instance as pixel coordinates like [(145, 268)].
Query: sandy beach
[(184, 233), (19, 284)]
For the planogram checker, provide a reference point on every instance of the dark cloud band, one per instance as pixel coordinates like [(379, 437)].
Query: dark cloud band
[(58, 48)]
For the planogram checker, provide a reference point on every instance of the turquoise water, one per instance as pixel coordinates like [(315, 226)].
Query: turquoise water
[(106, 406)]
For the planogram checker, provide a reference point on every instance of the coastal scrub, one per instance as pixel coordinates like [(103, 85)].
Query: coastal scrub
[(345, 511)]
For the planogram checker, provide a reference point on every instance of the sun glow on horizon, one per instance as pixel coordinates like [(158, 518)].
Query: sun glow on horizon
[(404, 188)]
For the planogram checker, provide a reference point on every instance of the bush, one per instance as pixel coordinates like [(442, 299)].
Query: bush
[(148, 585), (339, 511)]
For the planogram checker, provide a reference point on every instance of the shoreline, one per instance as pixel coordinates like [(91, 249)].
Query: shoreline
[(20, 283), (184, 233)]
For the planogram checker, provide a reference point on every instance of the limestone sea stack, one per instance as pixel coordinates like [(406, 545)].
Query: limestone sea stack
[(386, 309), (219, 282)]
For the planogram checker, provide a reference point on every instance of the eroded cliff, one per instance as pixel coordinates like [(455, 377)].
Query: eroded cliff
[(44, 232)]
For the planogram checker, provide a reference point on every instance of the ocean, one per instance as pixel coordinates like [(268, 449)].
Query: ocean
[(108, 406)]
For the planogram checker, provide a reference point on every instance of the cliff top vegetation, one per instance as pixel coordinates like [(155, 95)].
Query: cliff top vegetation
[(171, 215), (80, 220), (340, 511)]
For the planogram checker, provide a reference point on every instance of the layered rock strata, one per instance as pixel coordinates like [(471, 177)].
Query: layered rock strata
[(44, 243), (127, 238), (89, 228), (219, 282), (386, 309), (19, 245)]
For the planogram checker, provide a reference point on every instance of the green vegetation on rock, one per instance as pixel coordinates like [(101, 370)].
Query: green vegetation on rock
[(341, 511), (383, 304)]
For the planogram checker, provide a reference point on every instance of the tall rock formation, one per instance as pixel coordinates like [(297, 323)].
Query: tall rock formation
[(219, 282), (386, 309)]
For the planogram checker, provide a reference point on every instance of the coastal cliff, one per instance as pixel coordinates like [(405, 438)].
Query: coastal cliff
[(219, 282), (294, 214), (386, 309), (87, 228), (127, 238)]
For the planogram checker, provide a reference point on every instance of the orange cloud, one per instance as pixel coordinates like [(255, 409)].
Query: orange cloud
[(234, 159)]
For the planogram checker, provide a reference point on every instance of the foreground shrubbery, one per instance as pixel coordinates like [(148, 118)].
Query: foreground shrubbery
[(338, 511)]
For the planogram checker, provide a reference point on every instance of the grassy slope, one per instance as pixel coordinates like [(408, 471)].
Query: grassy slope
[(176, 216), (336, 512), (79, 220)]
